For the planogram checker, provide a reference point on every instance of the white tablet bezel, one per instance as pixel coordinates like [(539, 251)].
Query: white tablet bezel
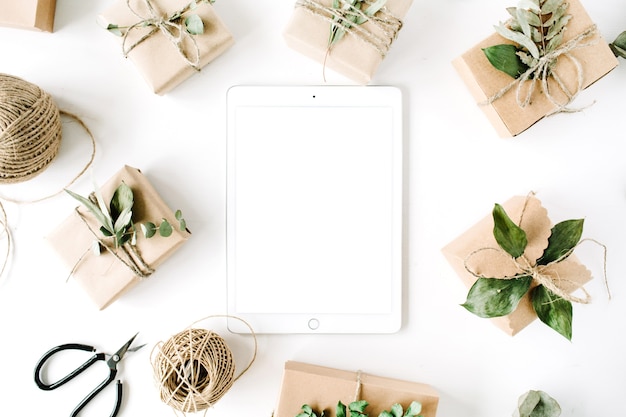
[(314, 100)]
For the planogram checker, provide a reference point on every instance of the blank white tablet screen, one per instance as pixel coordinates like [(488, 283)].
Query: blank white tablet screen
[(312, 210)]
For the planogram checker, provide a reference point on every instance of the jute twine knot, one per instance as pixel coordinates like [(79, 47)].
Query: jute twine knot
[(170, 26), (194, 369), (30, 129)]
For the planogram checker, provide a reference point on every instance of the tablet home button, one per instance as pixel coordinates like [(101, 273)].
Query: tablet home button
[(314, 324)]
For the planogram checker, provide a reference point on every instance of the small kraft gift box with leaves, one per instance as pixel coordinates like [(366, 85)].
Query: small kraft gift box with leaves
[(351, 37), (535, 64), (28, 14), (118, 236), (518, 267), (168, 40), (312, 391)]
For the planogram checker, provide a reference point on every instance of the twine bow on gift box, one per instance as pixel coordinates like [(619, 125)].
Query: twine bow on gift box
[(550, 293), (178, 31), (347, 17)]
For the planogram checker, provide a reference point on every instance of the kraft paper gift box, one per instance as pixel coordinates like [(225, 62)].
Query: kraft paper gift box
[(104, 277), (321, 388), (462, 253), (356, 56), (28, 14), (158, 57), (508, 118)]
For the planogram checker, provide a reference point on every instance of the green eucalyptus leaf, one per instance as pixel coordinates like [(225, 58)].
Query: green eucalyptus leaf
[(122, 200), (194, 24), (619, 45), (553, 310), (537, 404), (563, 238), (494, 297), (148, 229), (510, 237), (340, 410), (414, 409), (504, 58), (104, 220), (165, 228), (358, 407), (396, 410)]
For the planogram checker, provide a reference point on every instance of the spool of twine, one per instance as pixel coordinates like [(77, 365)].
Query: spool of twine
[(194, 369), (30, 129)]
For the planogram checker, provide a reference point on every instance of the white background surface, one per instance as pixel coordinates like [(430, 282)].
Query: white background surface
[(456, 169)]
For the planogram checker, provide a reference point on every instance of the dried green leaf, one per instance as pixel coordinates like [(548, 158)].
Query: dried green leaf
[(504, 58), (537, 404), (114, 29), (619, 45), (95, 248), (510, 237), (494, 297), (518, 38), (105, 220), (553, 310), (550, 6), (563, 238), (122, 201), (194, 24), (414, 409)]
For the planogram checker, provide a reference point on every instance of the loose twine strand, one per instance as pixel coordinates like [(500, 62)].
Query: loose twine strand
[(384, 30), (170, 26), (195, 368), (30, 138), (543, 69), (541, 273)]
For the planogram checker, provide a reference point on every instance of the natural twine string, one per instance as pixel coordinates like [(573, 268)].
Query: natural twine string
[(30, 138), (195, 368), (170, 26), (384, 30), (542, 274), (543, 69)]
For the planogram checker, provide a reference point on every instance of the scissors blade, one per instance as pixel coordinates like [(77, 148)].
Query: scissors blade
[(119, 355)]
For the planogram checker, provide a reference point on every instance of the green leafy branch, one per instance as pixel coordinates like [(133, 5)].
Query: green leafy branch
[(357, 409), (192, 23), (496, 297), (536, 29), (348, 14), (116, 218), (618, 46)]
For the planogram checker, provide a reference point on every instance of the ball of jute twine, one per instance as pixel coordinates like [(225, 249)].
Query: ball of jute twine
[(195, 368), (30, 138), (30, 129)]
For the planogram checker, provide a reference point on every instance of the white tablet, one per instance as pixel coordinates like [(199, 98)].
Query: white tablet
[(314, 208)]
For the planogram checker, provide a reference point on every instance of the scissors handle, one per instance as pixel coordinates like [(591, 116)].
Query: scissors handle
[(96, 391), (69, 346)]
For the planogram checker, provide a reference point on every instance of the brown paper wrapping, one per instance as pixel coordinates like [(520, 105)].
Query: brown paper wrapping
[(351, 57), (508, 118), (157, 58), (322, 388), (537, 225), (104, 278), (28, 14)]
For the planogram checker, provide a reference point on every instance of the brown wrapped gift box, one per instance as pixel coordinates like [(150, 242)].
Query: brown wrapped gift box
[(322, 388), (28, 14), (537, 225), (308, 34), (508, 118), (104, 277), (157, 58)]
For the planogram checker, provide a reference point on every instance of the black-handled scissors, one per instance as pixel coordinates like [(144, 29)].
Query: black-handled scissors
[(112, 363)]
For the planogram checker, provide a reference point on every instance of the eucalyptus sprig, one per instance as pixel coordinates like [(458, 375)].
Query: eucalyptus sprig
[(496, 297), (116, 218), (348, 15), (357, 409), (537, 404), (536, 28), (192, 23)]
